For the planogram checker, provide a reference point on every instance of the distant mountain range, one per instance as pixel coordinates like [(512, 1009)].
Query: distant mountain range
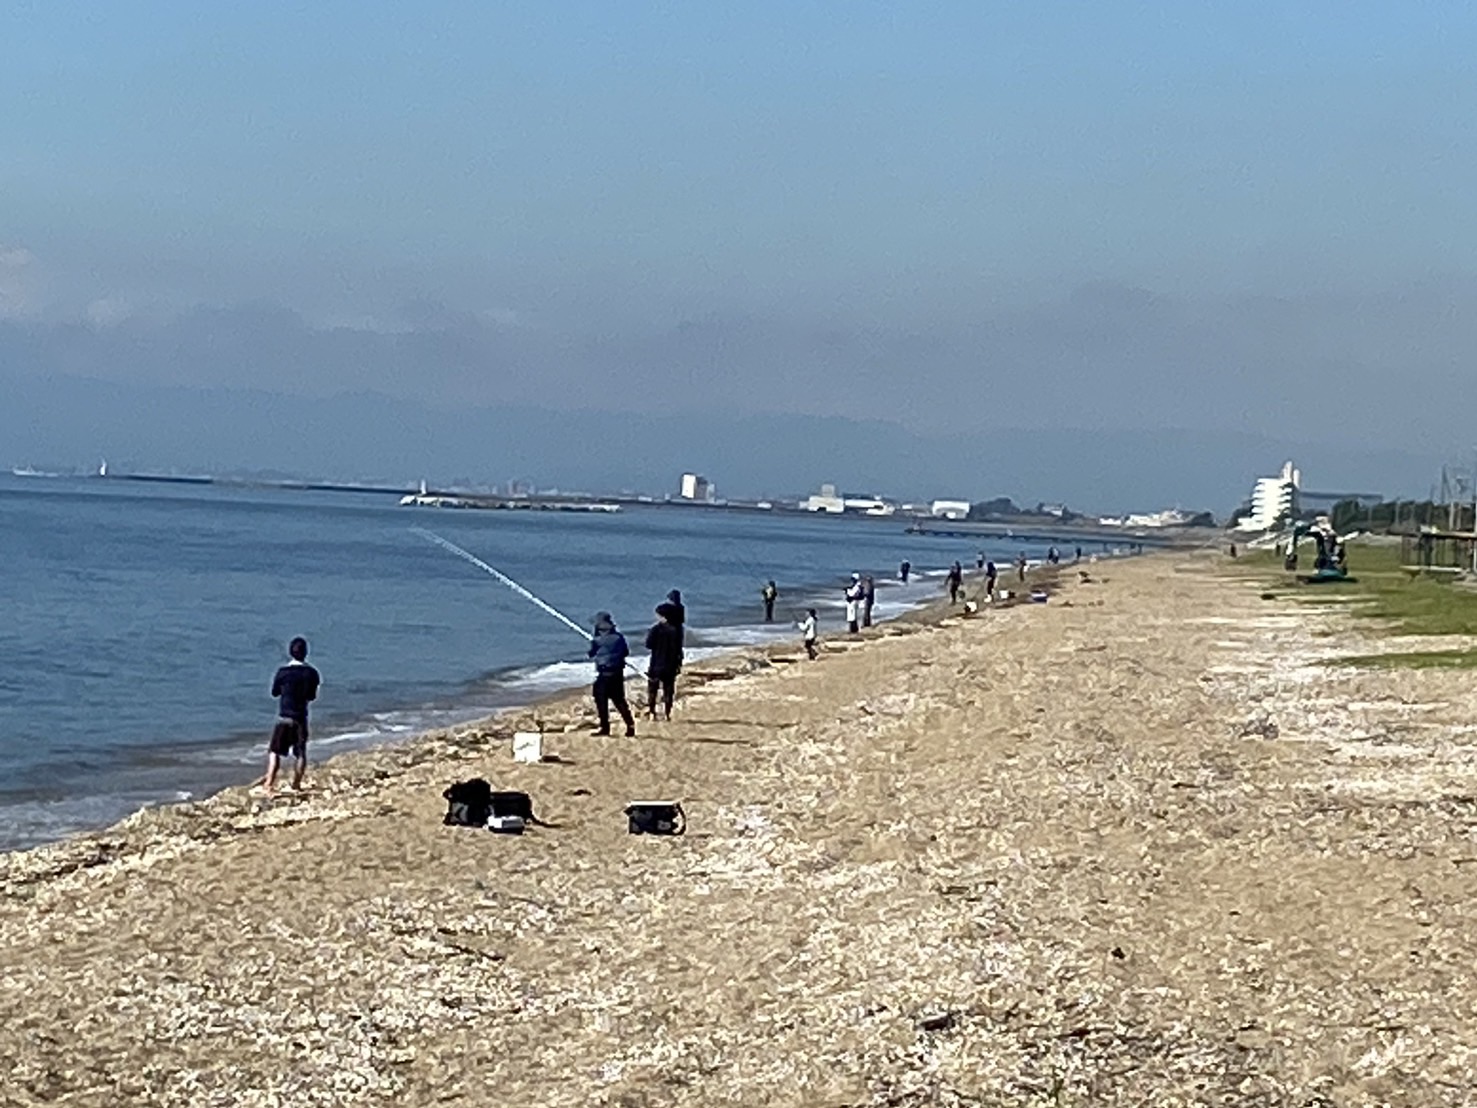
[(66, 422)]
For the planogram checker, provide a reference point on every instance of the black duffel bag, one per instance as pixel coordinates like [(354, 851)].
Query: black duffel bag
[(655, 817)]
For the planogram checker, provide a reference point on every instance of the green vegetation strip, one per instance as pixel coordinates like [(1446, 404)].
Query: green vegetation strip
[(1411, 604), (1411, 659)]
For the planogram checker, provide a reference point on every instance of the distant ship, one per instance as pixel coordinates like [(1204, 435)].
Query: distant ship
[(29, 471)]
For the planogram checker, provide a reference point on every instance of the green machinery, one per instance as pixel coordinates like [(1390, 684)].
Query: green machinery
[(1330, 565)]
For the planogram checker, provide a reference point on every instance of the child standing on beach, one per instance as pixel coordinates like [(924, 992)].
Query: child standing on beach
[(807, 633)]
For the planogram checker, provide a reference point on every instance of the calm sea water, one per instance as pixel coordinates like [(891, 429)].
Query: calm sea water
[(142, 624)]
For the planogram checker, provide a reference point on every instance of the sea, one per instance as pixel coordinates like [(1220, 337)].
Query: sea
[(142, 623)]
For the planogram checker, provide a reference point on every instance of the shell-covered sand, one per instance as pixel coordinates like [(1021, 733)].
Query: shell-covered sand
[(1135, 846)]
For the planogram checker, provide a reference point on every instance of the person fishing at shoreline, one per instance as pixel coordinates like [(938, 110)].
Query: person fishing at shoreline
[(609, 650), (295, 686), (854, 593), (678, 614), (955, 581), (904, 570), (769, 593), (869, 597), (992, 574), (664, 641)]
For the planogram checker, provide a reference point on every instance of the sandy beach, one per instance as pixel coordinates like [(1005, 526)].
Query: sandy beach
[(1135, 846)]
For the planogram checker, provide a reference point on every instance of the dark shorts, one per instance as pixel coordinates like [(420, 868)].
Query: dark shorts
[(289, 737)]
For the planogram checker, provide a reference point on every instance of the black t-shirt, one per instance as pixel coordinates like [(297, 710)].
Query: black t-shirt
[(294, 686)]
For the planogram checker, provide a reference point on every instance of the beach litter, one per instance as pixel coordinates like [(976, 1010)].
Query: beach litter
[(528, 746)]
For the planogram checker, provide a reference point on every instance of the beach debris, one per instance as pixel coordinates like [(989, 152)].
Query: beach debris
[(1263, 726), (936, 1021)]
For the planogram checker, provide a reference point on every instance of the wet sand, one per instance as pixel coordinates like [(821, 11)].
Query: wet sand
[(1133, 846)]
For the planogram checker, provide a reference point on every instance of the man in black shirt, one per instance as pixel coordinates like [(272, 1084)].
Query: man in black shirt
[(295, 685), (664, 640)]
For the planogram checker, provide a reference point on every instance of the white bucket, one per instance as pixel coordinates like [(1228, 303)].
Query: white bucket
[(528, 746)]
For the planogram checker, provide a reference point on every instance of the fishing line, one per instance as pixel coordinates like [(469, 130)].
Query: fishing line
[(504, 579)]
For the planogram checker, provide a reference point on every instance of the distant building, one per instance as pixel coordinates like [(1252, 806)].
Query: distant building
[(1273, 500), (824, 501), (868, 505), (696, 487), (835, 503), (949, 509)]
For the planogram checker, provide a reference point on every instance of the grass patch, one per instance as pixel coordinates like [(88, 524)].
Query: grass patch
[(1407, 604), (1412, 659), (1383, 590)]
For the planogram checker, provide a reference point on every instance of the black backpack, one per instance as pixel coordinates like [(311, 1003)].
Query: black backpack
[(469, 803)]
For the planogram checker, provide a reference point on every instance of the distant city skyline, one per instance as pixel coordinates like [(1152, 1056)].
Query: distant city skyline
[(963, 222)]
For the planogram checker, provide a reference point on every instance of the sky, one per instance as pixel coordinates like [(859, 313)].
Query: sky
[(958, 219)]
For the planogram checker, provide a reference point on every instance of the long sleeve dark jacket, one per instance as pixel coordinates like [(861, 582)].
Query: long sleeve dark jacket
[(294, 686), (610, 651), (664, 640)]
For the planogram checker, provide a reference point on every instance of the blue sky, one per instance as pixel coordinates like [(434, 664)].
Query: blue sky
[(819, 149), (607, 176)]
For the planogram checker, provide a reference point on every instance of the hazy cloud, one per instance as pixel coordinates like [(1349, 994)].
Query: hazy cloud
[(16, 296), (1390, 366)]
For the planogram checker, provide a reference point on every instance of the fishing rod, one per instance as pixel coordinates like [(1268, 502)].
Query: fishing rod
[(504, 579)]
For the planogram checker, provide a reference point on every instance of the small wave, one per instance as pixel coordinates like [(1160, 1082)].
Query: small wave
[(29, 823)]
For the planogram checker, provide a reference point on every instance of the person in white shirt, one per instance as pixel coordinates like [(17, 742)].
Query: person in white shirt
[(854, 594), (808, 633)]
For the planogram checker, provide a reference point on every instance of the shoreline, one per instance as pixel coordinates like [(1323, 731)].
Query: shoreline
[(201, 768), (565, 710), (198, 782)]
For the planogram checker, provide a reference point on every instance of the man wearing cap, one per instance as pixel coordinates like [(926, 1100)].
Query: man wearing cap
[(609, 650)]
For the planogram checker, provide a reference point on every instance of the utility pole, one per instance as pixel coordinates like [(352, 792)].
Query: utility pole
[(1474, 511)]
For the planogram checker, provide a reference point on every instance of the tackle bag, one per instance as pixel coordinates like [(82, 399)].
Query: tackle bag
[(655, 817), (468, 803), (513, 804)]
